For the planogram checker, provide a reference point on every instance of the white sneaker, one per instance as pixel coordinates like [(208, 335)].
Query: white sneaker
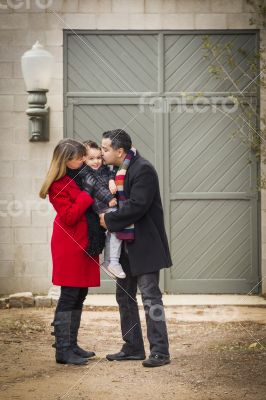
[(105, 268), (117, 271)]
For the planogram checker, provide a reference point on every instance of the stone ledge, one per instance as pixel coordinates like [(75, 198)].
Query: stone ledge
[(108, 302), (43, 301), (25, 300), (4, 302), (21, 300)]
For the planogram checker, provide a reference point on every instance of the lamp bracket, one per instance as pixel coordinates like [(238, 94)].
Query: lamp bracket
[(38, 116)]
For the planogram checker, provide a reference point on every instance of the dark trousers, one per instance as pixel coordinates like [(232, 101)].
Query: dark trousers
[(71, 298), (126, 290)]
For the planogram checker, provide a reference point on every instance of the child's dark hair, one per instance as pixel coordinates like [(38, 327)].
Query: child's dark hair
[(91, 144)]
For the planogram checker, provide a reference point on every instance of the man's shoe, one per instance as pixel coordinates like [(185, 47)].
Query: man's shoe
[(121, 356), (156, 360)]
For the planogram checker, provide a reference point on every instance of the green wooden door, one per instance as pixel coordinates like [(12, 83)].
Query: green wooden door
[(147, 83)]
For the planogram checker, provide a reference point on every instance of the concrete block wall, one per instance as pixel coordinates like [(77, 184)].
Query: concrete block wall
[(25, 262)]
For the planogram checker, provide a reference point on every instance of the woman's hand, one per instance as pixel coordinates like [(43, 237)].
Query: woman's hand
[(112, 186), (112, 203)]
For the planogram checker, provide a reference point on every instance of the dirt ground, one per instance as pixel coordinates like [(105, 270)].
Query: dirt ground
[(216, 354)]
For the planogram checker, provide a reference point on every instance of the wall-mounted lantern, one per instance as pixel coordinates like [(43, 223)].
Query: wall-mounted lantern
[(37, 65)]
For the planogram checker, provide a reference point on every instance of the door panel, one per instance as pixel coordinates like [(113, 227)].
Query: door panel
[(212, 191), (146, 83), (112, 63), (187, 69)]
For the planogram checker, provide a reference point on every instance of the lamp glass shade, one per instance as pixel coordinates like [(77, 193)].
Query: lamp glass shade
[(37, 65)]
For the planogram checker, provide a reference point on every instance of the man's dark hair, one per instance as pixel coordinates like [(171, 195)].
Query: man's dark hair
[(119, 139), (91, 144)]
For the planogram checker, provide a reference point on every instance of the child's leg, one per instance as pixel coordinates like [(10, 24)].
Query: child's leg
[(115, 251), (106, 261)]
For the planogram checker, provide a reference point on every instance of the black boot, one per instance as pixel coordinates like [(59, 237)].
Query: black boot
[(64, 353), (74, 328)]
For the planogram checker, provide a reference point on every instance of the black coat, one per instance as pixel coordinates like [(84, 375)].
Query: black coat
[(149, 252), (101, 177)]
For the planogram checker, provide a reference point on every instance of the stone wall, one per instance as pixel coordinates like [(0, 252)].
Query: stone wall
[(25, 263)]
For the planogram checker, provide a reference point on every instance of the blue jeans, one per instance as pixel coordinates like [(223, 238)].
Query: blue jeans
[(126, 290)]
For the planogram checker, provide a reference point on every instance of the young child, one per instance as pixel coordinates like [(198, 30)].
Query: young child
[(104, 201), (73, 269)]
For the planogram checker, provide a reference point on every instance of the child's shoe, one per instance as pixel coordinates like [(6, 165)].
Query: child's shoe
[(116, 270), (109, 273), (104, 266)]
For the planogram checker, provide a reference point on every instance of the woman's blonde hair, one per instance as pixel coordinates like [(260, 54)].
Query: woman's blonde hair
[(66, 150)]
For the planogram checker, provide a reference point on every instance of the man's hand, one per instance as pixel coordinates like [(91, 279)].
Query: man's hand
[(112, 186), (102, 222), (112, 203)]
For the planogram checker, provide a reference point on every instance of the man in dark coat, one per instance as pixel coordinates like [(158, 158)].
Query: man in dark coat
[(143, 258)]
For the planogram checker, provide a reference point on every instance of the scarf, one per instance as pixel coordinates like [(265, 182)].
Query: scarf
[(96, 231), (76, 175), (127, 233)]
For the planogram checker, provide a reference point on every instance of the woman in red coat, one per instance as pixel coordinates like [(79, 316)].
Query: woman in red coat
[(73, 268)]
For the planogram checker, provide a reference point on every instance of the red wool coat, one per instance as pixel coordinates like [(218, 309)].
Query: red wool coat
[(71, 265)]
